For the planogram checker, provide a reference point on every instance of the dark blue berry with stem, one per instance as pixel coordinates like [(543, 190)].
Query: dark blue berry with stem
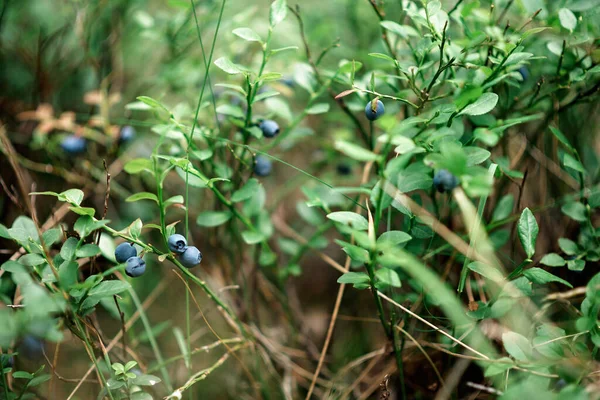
[(374, 109), (444, 181), (135, 267), (177, 243), (73, 144), (191, 257), (124, 251), (269, 128), (262, 166)]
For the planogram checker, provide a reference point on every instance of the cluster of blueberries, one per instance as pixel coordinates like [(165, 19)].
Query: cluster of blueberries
[(189, 256), (75, 144), (262, 165)]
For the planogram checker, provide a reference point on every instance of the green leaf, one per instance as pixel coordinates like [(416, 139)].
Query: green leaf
[(146, 380), (538, 275), (404, 31), (247, 34), (567, 19), (32, 260), (87, 250), (86, 225), (561, 137), (575, 210), (138, 165), (68, 249), (498, 367), (354, 220), (553, 260), (504, 208), (213, 218), (517, 346), (83, 210), (73, 196), (246, 191), (388, 277), (228, 109), (135, 229), (229, 67), (393, 238), (360, 280), (277, 12), (319, 108), (381, 56), (576, 265), (355, 151), (153, 103), (177, 199), (482, 105), (486, 270), (571, 162), (4, 232), (252, 237), (142, 196), (108, 288), (528, 231), (476, 155), (568, 246)]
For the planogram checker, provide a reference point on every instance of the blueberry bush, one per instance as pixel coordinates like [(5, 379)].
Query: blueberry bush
[(291, 200)]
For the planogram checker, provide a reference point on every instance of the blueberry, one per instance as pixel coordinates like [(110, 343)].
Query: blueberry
[(135, 267), (7, 361), (269, 128), (444, 181), (31, 348), (263, 166), (73, 144), (177, 243), (127, 133), (524, 73), (344, 169), (371, 114), (288, 81), (125, 251), (191, 257)]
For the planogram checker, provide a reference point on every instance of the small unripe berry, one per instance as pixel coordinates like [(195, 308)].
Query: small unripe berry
[(269, 128), (373, 114), (73, 144), (177, 243), (135, 267), (191, 257), (444, 181), (263, 166), (124, 251)]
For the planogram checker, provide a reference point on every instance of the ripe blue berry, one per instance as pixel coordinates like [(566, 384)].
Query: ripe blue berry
[(191, 257), (31, 348), (127, 133), (135, 267), (6, 361), (444, 181), (371, 114), (269, 128), (344, 169), (73, 144), (124, 251), (263, 166), (524, 73), (177, 243)]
